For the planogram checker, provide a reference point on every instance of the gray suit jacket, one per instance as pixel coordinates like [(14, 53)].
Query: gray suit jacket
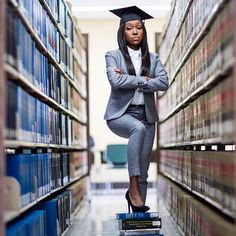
[(124, 85)]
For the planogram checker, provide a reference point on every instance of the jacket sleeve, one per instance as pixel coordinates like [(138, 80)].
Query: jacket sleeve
[(159, 82), (121, 81)]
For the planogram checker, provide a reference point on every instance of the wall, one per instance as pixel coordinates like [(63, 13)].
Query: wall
[(102, 37)]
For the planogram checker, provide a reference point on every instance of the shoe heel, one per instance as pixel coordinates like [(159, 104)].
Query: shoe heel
[(128, 207)]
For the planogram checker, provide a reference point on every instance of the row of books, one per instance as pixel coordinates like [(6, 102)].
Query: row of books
[(30, 120), (209, 173), (36, 15), (211, 116), (65, 94), (54, 7), (78, 105), (192, 216), (31, 224), (50, 217), (49, 71), (212, 53), (196, 17), (80, 192), (23, 55), (80, 50), (67, 25), (211, 56), (41, 23), (178, 9), (39, 174), (62, 14)]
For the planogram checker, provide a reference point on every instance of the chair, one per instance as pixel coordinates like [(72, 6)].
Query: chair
[(116, 155)]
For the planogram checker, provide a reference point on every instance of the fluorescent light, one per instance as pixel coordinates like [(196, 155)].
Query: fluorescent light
[(106, 8)]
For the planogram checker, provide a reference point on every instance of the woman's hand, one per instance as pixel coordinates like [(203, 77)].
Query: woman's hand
[(117, 70), (147, 78)]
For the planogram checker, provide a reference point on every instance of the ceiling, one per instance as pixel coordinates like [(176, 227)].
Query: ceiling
[(99, 9)]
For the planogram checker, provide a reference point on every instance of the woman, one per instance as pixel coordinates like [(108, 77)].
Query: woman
[(134, 75)]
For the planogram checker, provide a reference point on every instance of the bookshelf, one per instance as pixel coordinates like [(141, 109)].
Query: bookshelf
[(2, 85), (46, 138), (197, 115)]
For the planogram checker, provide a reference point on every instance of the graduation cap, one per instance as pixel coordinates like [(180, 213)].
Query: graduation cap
[(130, 13)]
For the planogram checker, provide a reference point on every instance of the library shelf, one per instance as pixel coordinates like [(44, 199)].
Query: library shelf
[(15, 144), (13, 214), (177, 181), (30, 87), (195, 148), (209, 141), (207, 85), (198, 38), (14, 3), (200, 35), (77, 81), (80, 210), (41, 47), (83, 207), (202, 32), (52, 18), (180, 231), (206, 199), (181, 144), (77, 58), (170, 14), (178, 30)]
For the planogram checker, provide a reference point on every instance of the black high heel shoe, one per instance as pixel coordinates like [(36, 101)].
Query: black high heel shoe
[(142, 208)]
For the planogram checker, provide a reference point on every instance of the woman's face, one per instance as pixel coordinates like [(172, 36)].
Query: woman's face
[(134, 33)]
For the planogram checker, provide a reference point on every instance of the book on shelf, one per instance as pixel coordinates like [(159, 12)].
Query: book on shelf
[(137, 215), (32, 171), (127, 224), (59, 213), (192, 214), (28, 225)]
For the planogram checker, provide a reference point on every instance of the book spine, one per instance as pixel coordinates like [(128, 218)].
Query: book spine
[(140, 224), (137, 215)]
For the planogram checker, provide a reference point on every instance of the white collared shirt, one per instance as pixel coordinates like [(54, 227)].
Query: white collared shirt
[(136, 58)]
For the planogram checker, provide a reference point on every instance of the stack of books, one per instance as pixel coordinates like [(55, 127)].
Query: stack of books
[(139, 223)]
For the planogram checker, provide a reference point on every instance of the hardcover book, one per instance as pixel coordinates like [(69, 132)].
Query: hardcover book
[(137, 215), (128, 224)]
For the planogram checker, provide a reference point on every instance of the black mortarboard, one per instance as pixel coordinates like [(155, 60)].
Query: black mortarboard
[(130, 13)]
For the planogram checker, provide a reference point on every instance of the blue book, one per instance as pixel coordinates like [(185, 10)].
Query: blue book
[(17, 168), (52, 219), (137, 215), (30, 224)]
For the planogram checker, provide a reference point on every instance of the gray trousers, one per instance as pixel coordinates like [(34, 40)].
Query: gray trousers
[(134, 126)]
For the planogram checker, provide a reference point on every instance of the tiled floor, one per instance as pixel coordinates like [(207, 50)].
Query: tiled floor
[(97, 218)]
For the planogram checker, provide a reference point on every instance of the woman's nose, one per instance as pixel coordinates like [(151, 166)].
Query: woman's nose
[(134, 31)]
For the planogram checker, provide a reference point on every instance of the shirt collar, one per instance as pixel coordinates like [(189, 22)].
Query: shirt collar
[(134, 53)]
